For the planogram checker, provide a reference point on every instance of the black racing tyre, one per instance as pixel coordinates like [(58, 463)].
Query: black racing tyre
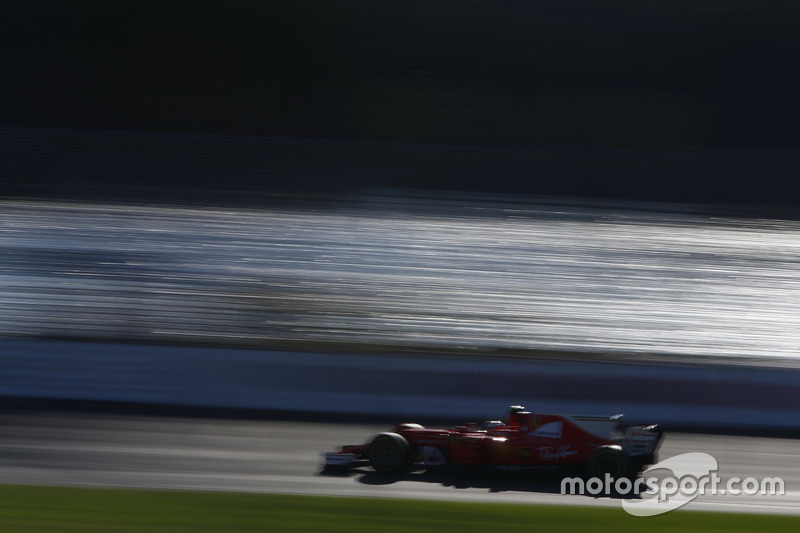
[(607, 461), (389, 453)]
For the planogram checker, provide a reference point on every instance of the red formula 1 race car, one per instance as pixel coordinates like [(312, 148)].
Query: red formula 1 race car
[(592, 444)]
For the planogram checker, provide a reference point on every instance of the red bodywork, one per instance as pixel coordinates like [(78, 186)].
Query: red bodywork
[(524, 440), (508, 444)]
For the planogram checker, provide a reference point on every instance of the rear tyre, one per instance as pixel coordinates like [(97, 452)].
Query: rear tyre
[(607, 461), (389, 453)]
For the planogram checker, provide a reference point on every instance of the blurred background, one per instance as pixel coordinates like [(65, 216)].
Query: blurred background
[(242, 100), (392, 209), (574, 175)]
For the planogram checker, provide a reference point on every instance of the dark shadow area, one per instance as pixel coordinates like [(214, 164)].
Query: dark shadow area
[(239, 101), (534, 481)]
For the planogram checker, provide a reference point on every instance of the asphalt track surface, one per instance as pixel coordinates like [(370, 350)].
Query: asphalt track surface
[(279, 456)]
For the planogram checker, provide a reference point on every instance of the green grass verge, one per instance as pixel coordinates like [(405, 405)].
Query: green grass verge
[(39, 509)]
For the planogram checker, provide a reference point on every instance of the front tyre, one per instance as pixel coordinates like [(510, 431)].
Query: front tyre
[(389, 453)]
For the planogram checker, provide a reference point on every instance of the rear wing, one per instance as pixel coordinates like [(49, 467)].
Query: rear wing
[(641, 440)]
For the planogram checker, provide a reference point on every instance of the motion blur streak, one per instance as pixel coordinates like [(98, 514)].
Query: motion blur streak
[(469, 274), (271, 456)]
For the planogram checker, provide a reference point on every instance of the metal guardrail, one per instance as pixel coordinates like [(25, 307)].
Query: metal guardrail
[(706, 397)]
